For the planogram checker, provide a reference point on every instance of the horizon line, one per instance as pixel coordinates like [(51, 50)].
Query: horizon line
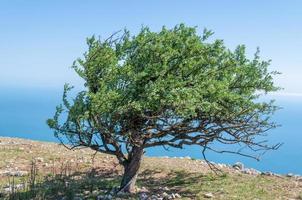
[(286, 94)]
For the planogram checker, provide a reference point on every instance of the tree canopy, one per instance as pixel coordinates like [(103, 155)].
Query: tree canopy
[(167, 88)]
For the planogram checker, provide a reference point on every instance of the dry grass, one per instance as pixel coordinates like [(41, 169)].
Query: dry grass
[(57, 172)]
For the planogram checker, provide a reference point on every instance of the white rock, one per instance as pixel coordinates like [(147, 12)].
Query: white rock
[(19, 186), (16, 173), (251, 171), (166, 189), (7, 189), (208, 195), (86, 192), (278, 175), (290, 175), (238, 165), (220, 165), (95, 192), (267, 173), (143, 189), (165, 194)]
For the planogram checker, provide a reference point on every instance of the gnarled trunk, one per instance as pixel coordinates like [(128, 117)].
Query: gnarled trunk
[(131, 169)]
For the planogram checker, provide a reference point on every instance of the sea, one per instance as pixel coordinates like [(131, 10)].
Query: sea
[(23, 114)]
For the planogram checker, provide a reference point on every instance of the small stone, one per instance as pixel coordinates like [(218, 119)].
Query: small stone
[(267, 173), (95, 192), (67, 183), (219, 165), (177, 195), (143, 189), (17, 173), (100, 197), (250, 171), (154, 197), (238, 166), (7, 189), (165, 194), (86, 192), (39, 159), (45, 165), (290, 175), (166, 189), (143, 196), (278, 175), (19, 186), (3, 173), (208, 195)]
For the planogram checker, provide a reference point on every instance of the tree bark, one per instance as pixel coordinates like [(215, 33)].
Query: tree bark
[(131, 169)]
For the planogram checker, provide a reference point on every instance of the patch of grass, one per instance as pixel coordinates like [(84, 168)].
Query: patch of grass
[(89, 184), (300, 196), (85, 185), (225, 186), (71, 174)]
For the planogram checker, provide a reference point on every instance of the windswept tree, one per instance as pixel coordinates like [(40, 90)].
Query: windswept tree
[(170, 88)]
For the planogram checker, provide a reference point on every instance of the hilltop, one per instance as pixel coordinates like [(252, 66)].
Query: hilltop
[(43, 170)]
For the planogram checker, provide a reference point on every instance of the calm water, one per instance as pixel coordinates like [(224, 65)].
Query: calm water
[(23, 114)]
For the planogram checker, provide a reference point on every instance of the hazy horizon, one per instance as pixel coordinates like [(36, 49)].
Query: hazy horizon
[(40, 40)]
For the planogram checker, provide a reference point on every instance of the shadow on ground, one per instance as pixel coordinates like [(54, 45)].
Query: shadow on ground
[(96, 182), (180, 182)]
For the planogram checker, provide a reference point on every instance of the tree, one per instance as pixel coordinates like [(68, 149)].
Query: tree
[(170, 88)]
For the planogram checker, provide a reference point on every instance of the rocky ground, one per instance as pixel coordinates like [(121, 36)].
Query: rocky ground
[(40, 170)]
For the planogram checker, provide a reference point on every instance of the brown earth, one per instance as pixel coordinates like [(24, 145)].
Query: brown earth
[(188, 178)]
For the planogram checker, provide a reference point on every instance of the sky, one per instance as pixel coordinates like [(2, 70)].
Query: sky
[(39, 40)]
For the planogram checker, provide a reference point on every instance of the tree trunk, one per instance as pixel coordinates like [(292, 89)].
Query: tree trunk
[(131, 169)]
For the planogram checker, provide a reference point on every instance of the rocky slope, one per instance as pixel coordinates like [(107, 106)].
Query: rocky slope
[(41, 170)]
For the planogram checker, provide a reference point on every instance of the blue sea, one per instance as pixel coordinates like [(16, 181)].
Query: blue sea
[(23, 113)]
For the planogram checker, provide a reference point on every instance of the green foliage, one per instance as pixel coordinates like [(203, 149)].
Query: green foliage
[(172, 69), (157, 85)]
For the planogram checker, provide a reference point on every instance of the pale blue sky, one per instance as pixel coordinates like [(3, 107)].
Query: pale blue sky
[(40, 39)]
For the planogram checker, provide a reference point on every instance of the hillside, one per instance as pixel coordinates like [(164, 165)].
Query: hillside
[(41, 170)]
